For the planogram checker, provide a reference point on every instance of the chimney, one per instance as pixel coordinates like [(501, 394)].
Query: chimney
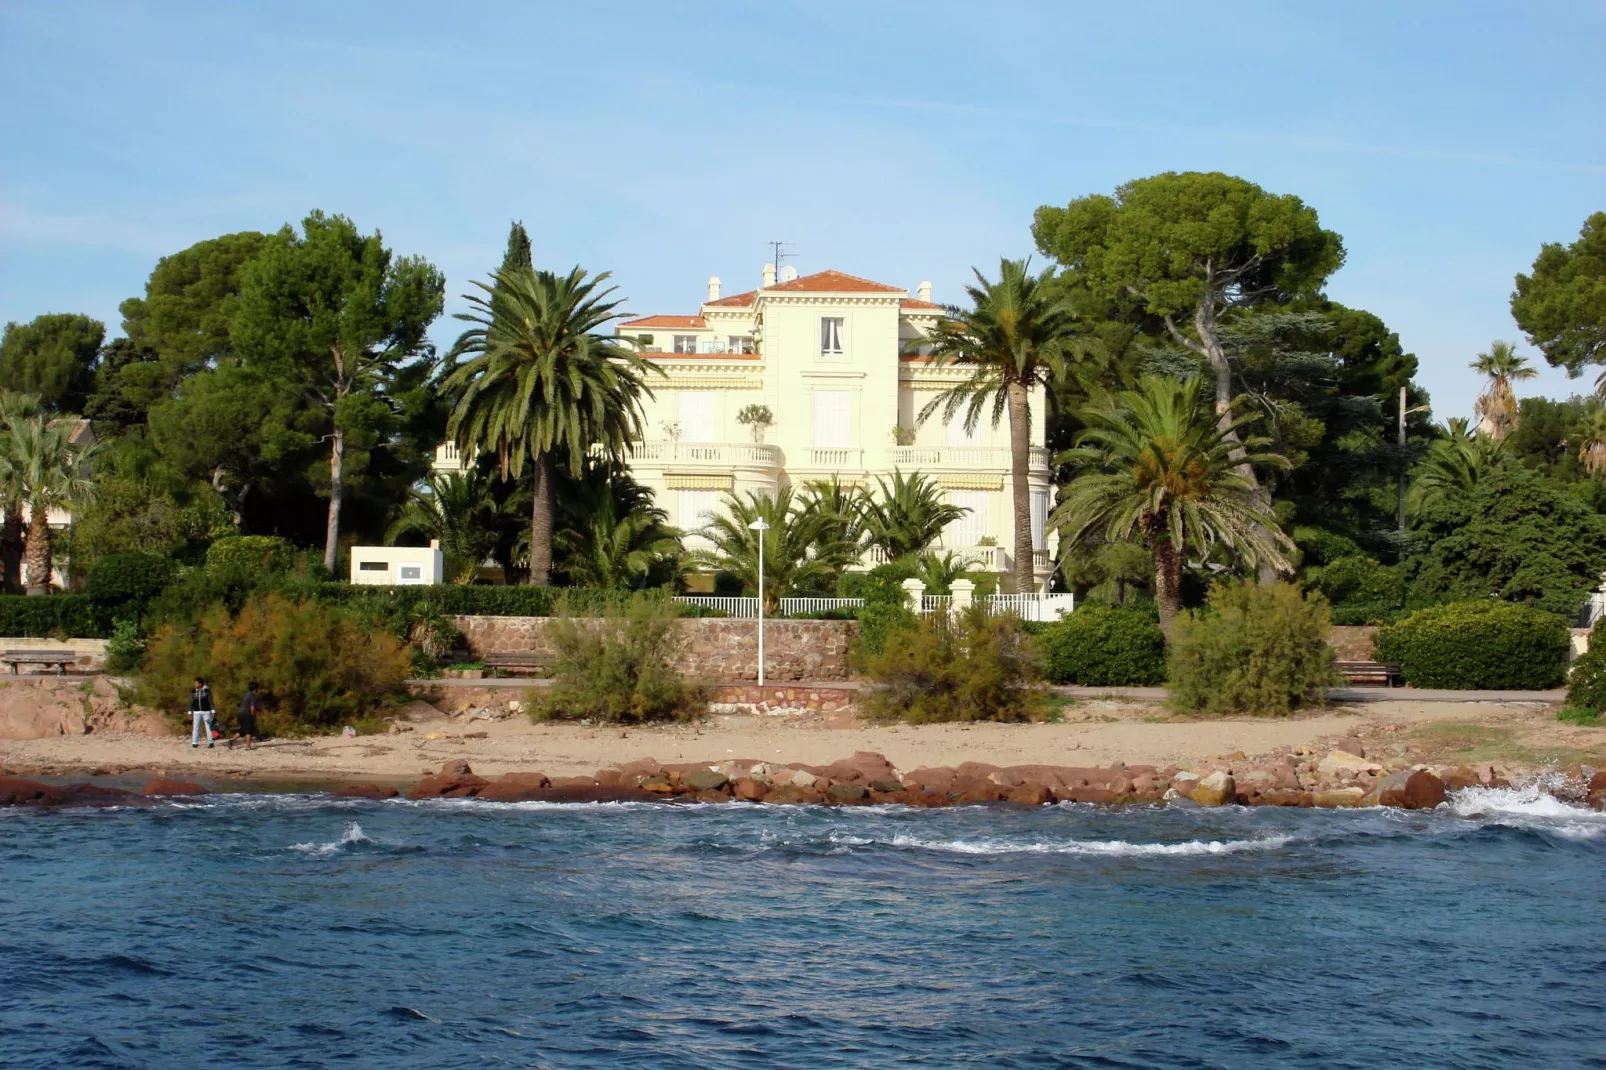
[(713, 287), (788, 273), (769, 275), (923, 291)]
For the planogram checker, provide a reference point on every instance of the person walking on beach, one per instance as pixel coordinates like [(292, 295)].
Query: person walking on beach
[(201, 712), (247, 716)]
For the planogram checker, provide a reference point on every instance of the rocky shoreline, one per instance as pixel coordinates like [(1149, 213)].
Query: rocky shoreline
[(1340, 778)]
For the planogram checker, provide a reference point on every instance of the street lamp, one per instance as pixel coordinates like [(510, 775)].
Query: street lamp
[(761, 527)]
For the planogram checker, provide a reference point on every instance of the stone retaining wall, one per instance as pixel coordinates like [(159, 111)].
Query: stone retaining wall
[(1353, 642), (721, 649)]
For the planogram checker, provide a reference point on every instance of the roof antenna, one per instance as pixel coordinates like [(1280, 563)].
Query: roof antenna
[(781, 254)]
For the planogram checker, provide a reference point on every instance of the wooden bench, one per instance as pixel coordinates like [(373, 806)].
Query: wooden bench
[(518, 663), (59, 658), (1369, 673)]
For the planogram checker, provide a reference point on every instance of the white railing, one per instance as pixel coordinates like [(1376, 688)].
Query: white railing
[(708, 453), (936, 603), (818, 605), (915, 456), (996, 457), (1035, 607), (731, 606), (835, 457)]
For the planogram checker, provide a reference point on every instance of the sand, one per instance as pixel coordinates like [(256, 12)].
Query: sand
[(1096, 733)]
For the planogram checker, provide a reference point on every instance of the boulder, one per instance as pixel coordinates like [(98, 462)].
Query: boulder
[(1217, 789), (1030, 795), (802, 778), (1335, 798), (1416, 790), (168, 786), (584, 783), (456, 767), (710, 795), (1343, 764), (1462, 776), (705, 780), (1079, 794), (18, 791), (846, 793), (886, 785), (516, 787), (656, 783), (749, 789), (366, 791), (447, 787), (930, 778), (1284, 797)]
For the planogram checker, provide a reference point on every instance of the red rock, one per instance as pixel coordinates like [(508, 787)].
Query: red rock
[(456, 767), (572, 782), (846, 793), (365, 791), (515, 787), (168, 786), (1085, 795), (447, 787), (639, 768), (1423, 791), (1596, 783), (609, 778), (750, 790), (710, 795), (657, 783), (1284, 797), (1031, 795), (938, 778), (17, 791)]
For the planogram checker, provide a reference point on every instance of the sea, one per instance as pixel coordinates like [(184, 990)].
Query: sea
[(298, 930)]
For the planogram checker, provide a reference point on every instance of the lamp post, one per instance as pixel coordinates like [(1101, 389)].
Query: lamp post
[(761, 527)]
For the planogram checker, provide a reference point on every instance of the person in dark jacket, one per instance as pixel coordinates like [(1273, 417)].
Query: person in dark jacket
[(201, 712), (250, 703)]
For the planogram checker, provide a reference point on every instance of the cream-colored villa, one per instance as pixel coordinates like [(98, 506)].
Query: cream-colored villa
[(826, 355)]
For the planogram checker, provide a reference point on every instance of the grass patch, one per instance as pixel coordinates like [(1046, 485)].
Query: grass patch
[(1451, 741)]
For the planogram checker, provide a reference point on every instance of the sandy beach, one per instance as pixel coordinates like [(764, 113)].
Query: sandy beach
[(1094, 733)]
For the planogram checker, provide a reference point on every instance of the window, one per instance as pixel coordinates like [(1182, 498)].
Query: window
[(1039, 517), (697, 416), (969, 529), (831, 335), (739, 343), (957, 435), (685, 343), (373, 566), (696, 508), (831, 424), (410, 574)]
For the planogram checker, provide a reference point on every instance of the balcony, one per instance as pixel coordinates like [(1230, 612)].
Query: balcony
[(835, 457), (969, 457), (721, 453), (704, 349)]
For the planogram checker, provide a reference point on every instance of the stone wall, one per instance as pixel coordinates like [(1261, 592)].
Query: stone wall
[(1353, 642), (718, 649)]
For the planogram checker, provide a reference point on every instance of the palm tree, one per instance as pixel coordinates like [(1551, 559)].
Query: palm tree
[(1592, 443), (542, 380), (798, 551), (13, 406), (938, 571), (1157, 465), (840, 508), (1453, 466), (457, 509), (43, 470), (1497, 405), (617, 552), (906, 516), (1018, 334)]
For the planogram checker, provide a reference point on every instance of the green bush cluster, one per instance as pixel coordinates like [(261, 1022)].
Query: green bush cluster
[(60, 616), (885, 610), (260, 554), (1252, 649), (1102, 646), (319, 667), (619, 666), (1485, 644), (1586, 683), (126, 584), (974, 667)]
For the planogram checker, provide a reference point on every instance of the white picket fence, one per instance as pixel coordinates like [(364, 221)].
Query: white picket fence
[(818, 605), (747, 607), (1033, 607)]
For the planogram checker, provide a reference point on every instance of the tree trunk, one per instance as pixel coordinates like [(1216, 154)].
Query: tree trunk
[(337, 491), (38, 551), (235, 500), (1167, 580), (1020, 430), (541, 524), (11, 547)]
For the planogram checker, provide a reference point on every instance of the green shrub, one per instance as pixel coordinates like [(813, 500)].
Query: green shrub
[(1357, 578), (62, 616), (1101, 646), (126, 584), (260, 554), (1362, 613), (1586, 681), (319, 666), (1578, 716), (1252, 649), (1486, 644), (619, 666), (125, 649), (974, 667)]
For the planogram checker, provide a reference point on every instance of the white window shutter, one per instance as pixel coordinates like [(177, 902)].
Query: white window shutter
[(697, 416), (831, 424)]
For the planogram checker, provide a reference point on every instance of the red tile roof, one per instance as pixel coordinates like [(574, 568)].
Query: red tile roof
[(910, 302), (834, 282), (667, 321), (733, 301)]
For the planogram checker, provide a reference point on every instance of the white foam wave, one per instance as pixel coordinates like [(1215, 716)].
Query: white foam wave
[(349, 838), (1115, 848), (1529, 808)]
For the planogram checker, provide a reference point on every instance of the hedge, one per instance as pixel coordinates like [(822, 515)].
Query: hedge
[(1586, 683), (1101, 646), (1487, 644), (71, 616)]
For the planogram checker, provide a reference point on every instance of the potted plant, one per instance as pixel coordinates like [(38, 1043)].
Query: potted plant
[(757, 418)]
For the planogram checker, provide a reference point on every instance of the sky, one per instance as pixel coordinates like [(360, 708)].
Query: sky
[(667, 142)]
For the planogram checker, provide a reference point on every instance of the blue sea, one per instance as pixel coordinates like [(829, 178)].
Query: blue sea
[(300, 931)]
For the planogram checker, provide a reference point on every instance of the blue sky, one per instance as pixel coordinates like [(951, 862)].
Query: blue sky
[(900, 141)]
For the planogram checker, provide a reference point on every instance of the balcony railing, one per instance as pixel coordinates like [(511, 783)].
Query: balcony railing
[(703, 349), (708, 453), (962, 457), (835, 457)]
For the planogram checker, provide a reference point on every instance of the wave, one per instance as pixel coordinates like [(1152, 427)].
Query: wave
[(1114, 848), (352, 837), (1531, 809)]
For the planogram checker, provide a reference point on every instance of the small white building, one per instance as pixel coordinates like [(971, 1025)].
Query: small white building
[(406, 566)]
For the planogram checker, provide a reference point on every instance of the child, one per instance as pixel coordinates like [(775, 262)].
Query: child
[(201, 712)]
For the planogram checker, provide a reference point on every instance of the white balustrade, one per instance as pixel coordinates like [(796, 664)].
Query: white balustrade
[(818, 605), (730, 606), (834, 457), (708, 453)]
